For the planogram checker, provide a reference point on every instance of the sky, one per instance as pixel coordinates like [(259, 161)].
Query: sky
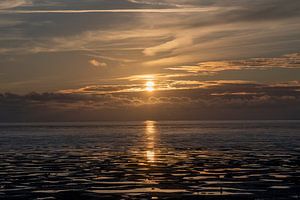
[(91, 60)]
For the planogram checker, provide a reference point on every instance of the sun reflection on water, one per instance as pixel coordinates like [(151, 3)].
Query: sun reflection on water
[(150, 133), (150, 156)]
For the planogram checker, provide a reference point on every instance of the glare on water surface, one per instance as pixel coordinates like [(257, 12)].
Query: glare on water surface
[(150, 133)]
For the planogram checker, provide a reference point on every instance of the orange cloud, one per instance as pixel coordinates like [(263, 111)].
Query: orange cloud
[(96, 63), (211, 67)]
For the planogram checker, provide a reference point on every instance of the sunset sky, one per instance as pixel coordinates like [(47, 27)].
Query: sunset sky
[(83, 60)]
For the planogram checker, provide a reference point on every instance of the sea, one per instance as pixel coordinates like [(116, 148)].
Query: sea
[(150, 160)]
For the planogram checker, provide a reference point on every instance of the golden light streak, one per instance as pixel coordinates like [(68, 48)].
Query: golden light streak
[(150, 134), (166, 10), (150, 156)]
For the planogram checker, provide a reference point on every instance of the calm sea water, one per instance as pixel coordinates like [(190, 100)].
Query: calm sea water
[(151, 160)]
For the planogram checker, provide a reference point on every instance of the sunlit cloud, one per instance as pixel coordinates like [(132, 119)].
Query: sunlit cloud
[(91, 42), (165, 10), (168, 46), (94, 55), (96, 63), (211, 67), (150, 85), (236, 94), (199, 55), (105, 89), (173, 60), (159, 3), (223, 99), (8, 4), (151, 77), (142, 77)]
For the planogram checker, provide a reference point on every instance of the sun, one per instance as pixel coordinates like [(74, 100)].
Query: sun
[(150, 86)]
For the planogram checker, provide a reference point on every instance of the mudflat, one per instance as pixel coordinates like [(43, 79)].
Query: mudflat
[(150, 160)]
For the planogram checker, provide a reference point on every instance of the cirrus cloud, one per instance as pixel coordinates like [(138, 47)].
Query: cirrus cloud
[(8, 4), (210, 67)]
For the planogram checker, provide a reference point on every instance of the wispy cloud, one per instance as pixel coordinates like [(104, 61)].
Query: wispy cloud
[(211, 67), (160, 10), (8, 4), (159, 3), (178, 41), (170, 45), (148, 77), (105, 89), (162, 85)]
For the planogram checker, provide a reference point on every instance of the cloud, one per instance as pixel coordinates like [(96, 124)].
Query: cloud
[(289, 61), (148, 77), (168, 46), (177, 86), (8, 4), (91, 41), (209, 30), (69, 11), (171, 61), (221, 100), (105, 89), (96, 63), (159, 3), (136, 38)]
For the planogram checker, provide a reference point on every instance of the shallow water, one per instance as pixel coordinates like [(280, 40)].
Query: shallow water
[(150, 160)]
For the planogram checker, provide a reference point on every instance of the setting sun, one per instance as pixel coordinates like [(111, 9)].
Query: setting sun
[(150, 86)]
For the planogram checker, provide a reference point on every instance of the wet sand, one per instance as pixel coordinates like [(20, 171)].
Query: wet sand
[(150, 160)]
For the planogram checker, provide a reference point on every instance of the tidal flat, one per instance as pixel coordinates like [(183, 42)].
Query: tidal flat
[(150, 160)]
